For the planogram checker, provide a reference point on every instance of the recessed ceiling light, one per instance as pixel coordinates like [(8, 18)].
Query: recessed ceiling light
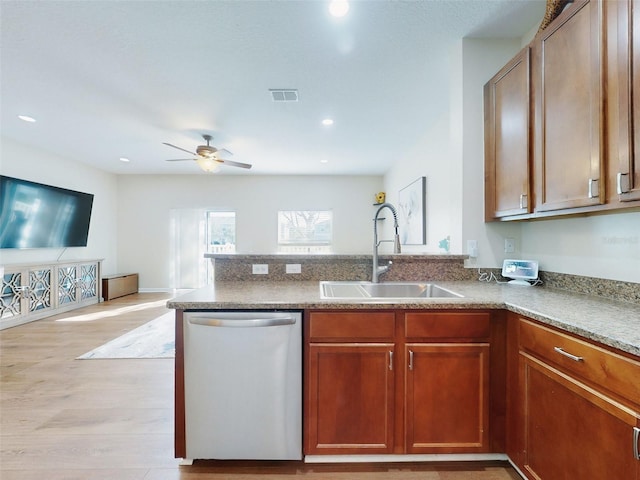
[(324, 160), (26, 118), (338, 8), (327, 122), (124, 159)]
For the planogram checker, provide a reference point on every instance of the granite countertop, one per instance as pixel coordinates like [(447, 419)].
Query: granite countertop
[(610, 322)]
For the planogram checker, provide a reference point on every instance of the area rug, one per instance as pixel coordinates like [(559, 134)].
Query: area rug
[(154, 339)]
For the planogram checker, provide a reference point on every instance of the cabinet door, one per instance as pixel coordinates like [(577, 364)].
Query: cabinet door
[(572, 431), (447, 409), (67, 285), (628, 174), (40, 289), (568, 84), (88, 281), (351, 393), (12, 295), (507, 146)]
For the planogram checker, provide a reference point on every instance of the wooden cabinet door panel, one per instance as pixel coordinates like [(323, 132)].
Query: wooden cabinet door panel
[(572, 431), (568, 84), (507, 146), (447, 392), (628, 174), (351, 392)]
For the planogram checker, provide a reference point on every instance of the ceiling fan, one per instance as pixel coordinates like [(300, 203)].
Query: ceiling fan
[(208, 157)]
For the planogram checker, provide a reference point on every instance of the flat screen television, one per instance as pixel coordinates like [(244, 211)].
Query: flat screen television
[(34, 215)]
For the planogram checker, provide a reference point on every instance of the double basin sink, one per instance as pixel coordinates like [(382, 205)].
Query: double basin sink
[(383, 291)]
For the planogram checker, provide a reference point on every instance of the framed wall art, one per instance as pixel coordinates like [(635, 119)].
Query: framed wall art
[(412, 203)]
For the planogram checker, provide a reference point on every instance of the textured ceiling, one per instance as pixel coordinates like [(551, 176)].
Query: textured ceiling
[(107, 79)]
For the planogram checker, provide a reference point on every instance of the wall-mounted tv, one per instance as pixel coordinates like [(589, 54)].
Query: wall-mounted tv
[(34, 215)]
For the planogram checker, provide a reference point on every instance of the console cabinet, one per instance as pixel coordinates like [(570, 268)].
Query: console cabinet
[(397, 382), (30, 292), (578, 408)]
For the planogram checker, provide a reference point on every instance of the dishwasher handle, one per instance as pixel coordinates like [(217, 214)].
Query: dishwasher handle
[(242, 322)]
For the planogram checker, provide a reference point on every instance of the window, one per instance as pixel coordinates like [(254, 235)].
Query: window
[(221, 232), (305, 231)]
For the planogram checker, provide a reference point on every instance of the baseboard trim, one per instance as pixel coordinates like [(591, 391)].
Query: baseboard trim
[(435, 457)]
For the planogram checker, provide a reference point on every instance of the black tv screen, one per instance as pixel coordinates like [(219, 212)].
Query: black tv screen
[(34, 215)]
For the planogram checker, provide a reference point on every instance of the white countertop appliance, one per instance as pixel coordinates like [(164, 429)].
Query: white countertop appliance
[(522, 272), (243, 385)]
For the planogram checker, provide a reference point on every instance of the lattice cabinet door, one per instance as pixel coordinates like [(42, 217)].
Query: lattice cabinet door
[(67, 285), (89, 274), (40, 291), (12, 295)]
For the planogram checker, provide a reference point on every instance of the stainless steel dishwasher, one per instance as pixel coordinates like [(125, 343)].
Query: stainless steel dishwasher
[(243, 385)]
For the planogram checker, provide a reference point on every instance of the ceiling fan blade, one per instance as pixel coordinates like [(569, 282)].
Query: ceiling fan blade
[(180, 159), (231, 163), (223, 151), (179, 148)]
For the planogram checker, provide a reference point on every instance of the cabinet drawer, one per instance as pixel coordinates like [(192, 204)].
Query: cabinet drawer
[(447, 325), (606, 369), (351, 326)]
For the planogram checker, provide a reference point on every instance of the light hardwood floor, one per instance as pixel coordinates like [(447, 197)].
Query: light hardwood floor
[(63, 418)]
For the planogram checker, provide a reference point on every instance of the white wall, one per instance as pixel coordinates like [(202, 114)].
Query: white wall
[(27, 163), (603, 246), (145, 203), (481, 59), (451, 154), (432, 156)]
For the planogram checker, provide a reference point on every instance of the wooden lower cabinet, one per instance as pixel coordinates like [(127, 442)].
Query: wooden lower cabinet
[(576, 412), (447, 398), (353, 385), (397, 382), (573, 431)]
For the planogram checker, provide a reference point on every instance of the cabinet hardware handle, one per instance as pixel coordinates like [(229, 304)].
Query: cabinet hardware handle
[(593, 193), (390, 360), (636, 437), (575, 358), (410, 359), (522, 200), (619, 184)]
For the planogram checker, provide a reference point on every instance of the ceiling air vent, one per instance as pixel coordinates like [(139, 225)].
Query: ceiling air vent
[(284, 94)]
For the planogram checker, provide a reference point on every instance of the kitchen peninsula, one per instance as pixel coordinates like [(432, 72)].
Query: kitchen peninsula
[(524, 355)]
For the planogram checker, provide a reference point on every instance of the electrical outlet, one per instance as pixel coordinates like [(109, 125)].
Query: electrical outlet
[(293, 268), (472, 248), (509, 245), (260, 269)]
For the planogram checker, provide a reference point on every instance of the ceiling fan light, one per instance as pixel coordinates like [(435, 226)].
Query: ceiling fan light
[(208, 164)]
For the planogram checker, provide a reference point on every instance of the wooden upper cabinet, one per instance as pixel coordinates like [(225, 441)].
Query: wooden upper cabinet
[(568, 91), (507, 140), (627, 173)]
